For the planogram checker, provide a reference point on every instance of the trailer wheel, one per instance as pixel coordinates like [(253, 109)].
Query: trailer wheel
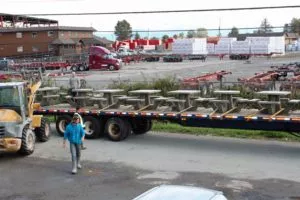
[(141, 126), (116, 129), (43, 133), (81, 67), (128, 128), (93, 127), (61, 124), (74, 68), (111, 67), (28, 141)]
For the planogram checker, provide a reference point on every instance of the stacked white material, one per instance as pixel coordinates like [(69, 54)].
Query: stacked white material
[(149, 47), (267, 45), (222, 48), (240, 47), (210, 48), (190, 46), (227, 40)]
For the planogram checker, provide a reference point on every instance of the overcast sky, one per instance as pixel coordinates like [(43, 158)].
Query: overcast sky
[(226, 19)]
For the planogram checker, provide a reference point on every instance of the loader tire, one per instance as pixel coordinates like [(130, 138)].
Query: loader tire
[(43, 133), (28, 141)]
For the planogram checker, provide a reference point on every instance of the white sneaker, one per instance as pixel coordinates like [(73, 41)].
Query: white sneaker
[(74, 171), (79, 166)]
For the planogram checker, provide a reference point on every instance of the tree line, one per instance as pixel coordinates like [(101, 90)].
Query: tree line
[(123, 30)]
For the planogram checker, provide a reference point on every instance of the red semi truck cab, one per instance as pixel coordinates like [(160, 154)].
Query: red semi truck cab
[(99, 58)]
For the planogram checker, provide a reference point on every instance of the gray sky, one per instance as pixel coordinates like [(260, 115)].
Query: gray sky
[(226, 19)]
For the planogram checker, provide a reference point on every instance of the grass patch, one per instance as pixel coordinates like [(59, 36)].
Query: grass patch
[(235, 133)]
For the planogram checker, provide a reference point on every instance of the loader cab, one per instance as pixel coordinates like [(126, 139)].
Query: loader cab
[(13, 98)]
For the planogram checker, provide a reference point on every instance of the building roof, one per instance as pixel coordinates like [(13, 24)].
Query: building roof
[(272, 34), (103, 40), (26, 19), (45, 28)]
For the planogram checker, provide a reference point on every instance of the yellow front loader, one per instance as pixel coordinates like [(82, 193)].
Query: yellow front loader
[(19, 128)]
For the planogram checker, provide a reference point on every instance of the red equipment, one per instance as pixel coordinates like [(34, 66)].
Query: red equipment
[(195, 82)]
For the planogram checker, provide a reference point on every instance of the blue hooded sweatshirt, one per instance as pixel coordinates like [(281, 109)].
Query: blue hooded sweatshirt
[(74, 133)]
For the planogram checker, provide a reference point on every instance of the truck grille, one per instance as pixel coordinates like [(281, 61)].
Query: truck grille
[(2, 131)]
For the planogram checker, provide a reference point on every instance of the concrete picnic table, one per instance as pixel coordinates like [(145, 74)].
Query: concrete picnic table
[(145, 94), (82, 96), (227, 95), (274, 95), (108, 94), (48, 94), (273, 103), (185, 95)]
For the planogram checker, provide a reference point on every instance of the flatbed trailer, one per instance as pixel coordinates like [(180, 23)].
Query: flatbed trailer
[(117, 124)]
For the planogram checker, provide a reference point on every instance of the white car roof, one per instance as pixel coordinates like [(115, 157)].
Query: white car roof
[(176, 192)]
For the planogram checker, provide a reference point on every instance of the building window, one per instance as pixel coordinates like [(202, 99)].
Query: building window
[(20, 49), (19, 35), (35, 49), (34, 35), (50, 33)]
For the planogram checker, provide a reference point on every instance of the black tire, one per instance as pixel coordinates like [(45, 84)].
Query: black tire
[(74, 68), (141, 126), (128, 128), (116, 129), (93, 127), (81, 68), (28, 141), (43, 133), (61, 124), (111, 67)]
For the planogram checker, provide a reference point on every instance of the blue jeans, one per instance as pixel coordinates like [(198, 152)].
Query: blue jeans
[(75, 153)]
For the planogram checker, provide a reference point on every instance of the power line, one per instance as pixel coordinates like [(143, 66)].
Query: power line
[(210, 29), (167, 11)]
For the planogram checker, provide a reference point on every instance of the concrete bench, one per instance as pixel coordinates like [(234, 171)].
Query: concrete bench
[(50, 99), (160, 101), (50, 96), (220, 105), (247, 103), (100, 101), (176, 104), (136, 103), (271, 107), (202, 102)]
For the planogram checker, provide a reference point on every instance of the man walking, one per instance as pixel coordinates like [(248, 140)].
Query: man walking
[(75, 134)]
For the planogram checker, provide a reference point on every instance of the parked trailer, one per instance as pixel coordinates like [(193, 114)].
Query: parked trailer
[(117, 125)]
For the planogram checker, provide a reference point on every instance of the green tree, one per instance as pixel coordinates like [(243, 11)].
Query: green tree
[(154, 38), (164, 38), (181, 35), (137, 36), (175, 36), (265, 27), (295, 25), (123, 30), (201, 33), (234, 32), (190, 34)]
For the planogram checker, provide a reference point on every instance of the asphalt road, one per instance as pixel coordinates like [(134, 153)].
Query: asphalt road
[(242, 169)]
